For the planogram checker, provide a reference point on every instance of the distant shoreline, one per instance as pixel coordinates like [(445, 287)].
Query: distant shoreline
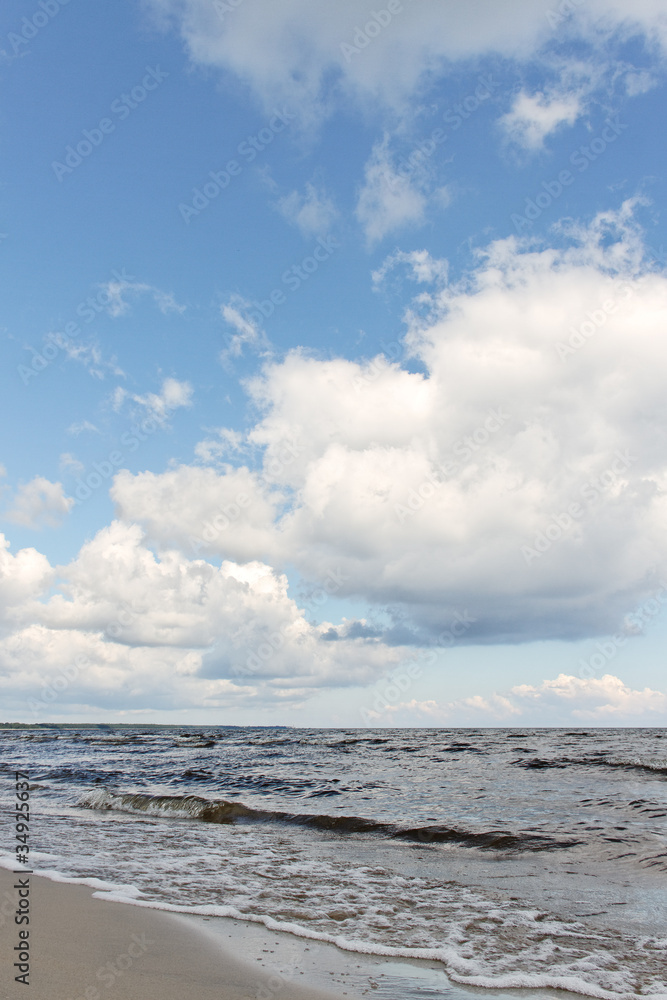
[(129, 725)]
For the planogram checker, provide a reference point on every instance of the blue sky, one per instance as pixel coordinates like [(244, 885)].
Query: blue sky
[(334, 362)]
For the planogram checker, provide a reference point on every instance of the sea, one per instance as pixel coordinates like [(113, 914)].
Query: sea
[(503, 861)]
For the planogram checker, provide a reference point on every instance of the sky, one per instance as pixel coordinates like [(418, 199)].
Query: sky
[(334, 362)]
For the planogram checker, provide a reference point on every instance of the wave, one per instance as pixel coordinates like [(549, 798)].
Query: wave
[(652, 766), (221, 811), (645, 764)]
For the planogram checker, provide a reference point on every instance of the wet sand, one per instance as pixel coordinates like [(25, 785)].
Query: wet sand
[(83, 948)]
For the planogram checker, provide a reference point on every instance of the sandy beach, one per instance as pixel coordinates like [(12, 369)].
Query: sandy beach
[(83, 948)]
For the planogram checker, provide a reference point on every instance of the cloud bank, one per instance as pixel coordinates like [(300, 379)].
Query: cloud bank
[(314, 57), (512, 467)]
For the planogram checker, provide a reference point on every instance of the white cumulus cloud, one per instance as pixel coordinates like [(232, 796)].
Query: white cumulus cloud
[(521, 475), (130, 629), (564, 700), (39, 503)]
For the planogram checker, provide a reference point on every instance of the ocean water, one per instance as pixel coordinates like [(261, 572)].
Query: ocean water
[(508, 858)]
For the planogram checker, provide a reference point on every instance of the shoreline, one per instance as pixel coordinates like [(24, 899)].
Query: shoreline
[(85, 948)]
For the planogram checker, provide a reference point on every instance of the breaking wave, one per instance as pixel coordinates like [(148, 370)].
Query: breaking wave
[(221, 811)]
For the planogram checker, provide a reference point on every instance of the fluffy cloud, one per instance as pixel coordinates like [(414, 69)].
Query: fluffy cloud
[(535, 116), (201, 511), (518, 477), (521, 477), (128, 629), (310, 57), (39, 503), (23, 577), (566, 700), (594, 699)]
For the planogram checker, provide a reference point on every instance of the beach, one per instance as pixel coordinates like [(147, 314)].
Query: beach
[(268, 862), (83, 948)]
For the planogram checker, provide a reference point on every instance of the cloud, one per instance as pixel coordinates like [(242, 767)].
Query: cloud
[(227, 443), (68, 463), (80, 426), (313, 213), (23, 577), (592, 699), (39, 503), (420, 265), (290, 52), (202, 511), (119, 291), (247, 333), (172, 396), (388, 200), (169, 632), (533, 117), (519, 474), (566, 700), (89, 354), (639, 82)]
